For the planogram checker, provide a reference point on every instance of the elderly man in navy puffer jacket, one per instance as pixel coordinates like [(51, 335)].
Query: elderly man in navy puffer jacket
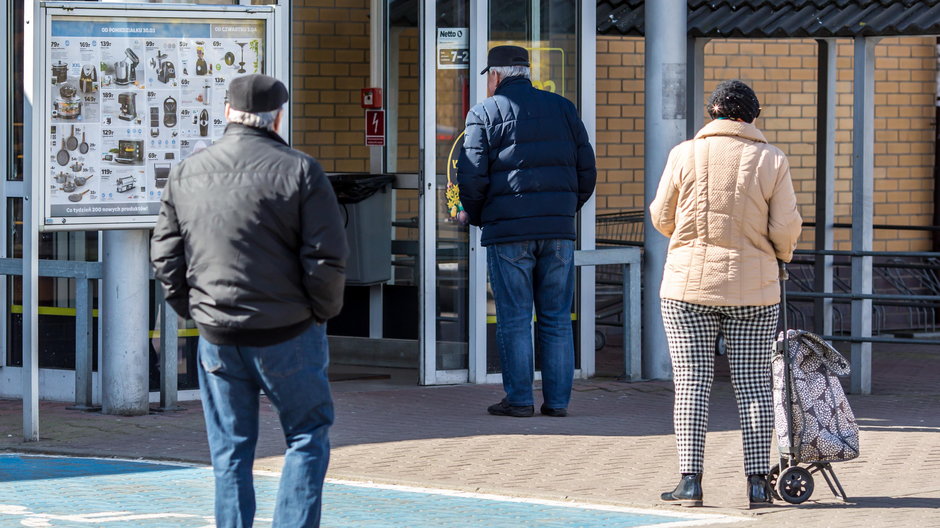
[(526, 169)]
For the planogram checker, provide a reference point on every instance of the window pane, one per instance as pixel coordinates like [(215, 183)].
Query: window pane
[(14, 171)]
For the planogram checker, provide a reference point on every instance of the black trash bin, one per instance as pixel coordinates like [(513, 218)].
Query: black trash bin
[(366, 205)]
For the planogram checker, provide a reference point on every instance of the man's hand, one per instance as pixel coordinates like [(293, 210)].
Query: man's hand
[(463, 218)]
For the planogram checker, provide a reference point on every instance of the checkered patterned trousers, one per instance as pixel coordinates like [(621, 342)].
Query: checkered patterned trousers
[(692, 330)]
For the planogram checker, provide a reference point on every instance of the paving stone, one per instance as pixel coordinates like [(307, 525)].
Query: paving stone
[(616, 446)]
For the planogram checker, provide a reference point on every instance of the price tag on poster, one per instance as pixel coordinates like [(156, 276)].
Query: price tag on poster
[(129, 94)]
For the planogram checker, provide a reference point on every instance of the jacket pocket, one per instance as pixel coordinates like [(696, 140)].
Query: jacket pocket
[(325, 291)]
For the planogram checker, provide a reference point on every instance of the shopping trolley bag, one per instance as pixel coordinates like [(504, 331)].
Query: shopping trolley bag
[(814, 423), (821, 427)]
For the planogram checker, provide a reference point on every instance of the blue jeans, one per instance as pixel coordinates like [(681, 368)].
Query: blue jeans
[(293, 376), (539, 271)]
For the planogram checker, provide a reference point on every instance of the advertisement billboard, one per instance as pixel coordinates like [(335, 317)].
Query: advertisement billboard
[(128, 94)]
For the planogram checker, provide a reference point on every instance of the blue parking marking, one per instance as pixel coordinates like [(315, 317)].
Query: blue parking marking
[(50, 492)]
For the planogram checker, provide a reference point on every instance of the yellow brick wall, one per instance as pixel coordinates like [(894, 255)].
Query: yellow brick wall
[(406, 96), (783, 73), (330, 47)]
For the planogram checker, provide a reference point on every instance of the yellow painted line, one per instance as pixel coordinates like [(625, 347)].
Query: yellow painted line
[(183, 332), (50, 310), (70, 312)]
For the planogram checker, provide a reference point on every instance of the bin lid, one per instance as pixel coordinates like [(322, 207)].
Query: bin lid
[(354, 188)]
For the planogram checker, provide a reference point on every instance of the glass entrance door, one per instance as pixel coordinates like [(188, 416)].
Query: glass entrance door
[(549, 30), (458, 314), (445, 243)]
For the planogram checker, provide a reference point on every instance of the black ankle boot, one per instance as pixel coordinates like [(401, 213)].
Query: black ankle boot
[(758, 491), (687, 493)]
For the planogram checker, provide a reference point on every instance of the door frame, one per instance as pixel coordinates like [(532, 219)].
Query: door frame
[(427, 194)]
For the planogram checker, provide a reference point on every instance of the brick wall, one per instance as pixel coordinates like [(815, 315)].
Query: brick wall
[(783, 73), (330, 47), (331, 64)]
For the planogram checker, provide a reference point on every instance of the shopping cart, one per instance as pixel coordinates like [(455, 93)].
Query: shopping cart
[(814, 423), (622, 228)]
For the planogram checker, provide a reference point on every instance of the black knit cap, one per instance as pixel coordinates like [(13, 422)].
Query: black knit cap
[(256, 93), (734, 100)]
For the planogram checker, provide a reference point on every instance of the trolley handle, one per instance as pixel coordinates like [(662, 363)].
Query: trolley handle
[(784, 350), (784, 276)]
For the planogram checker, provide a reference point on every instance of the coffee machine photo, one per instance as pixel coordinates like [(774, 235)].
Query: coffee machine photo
[(125, 71), (128, 102)]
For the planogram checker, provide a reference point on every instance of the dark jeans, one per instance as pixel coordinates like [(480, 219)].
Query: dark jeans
[(539, 272), (293, 376)]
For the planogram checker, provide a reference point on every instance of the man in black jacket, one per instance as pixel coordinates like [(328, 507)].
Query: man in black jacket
[(526, 169), (250, 244)]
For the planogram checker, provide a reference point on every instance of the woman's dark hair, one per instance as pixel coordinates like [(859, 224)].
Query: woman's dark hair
[(734, 100)]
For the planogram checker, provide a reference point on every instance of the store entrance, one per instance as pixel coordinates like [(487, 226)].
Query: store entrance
[(383, 91), (368, 143)]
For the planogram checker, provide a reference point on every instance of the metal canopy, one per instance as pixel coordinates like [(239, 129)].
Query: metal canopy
[(783, 18)]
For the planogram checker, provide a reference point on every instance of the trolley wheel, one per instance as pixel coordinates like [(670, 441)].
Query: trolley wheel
[(795, 485), (772, 479), (600, 340)]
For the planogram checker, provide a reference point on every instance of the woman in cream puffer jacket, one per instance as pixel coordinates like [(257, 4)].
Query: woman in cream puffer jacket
[(727, 204)]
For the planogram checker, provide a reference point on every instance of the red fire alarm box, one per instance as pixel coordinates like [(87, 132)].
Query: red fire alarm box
[(371, 98)]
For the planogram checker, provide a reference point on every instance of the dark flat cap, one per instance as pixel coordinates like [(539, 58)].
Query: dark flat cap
[(256, 93), (506, 56)]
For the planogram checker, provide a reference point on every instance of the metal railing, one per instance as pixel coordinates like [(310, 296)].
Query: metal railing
[(922, 298), (84, 273), (629, 259)]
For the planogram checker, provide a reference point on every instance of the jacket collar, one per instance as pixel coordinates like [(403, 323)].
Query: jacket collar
[(727, 127), (238, 129), (511, 81)]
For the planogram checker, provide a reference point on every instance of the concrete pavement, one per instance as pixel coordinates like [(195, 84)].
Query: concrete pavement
[(615, 448)]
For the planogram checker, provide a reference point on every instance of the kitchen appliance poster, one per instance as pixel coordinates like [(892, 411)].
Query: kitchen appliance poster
[(126, 99)]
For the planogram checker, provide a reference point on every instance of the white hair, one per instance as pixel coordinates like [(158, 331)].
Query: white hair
[(263, 120), (511, 71)]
